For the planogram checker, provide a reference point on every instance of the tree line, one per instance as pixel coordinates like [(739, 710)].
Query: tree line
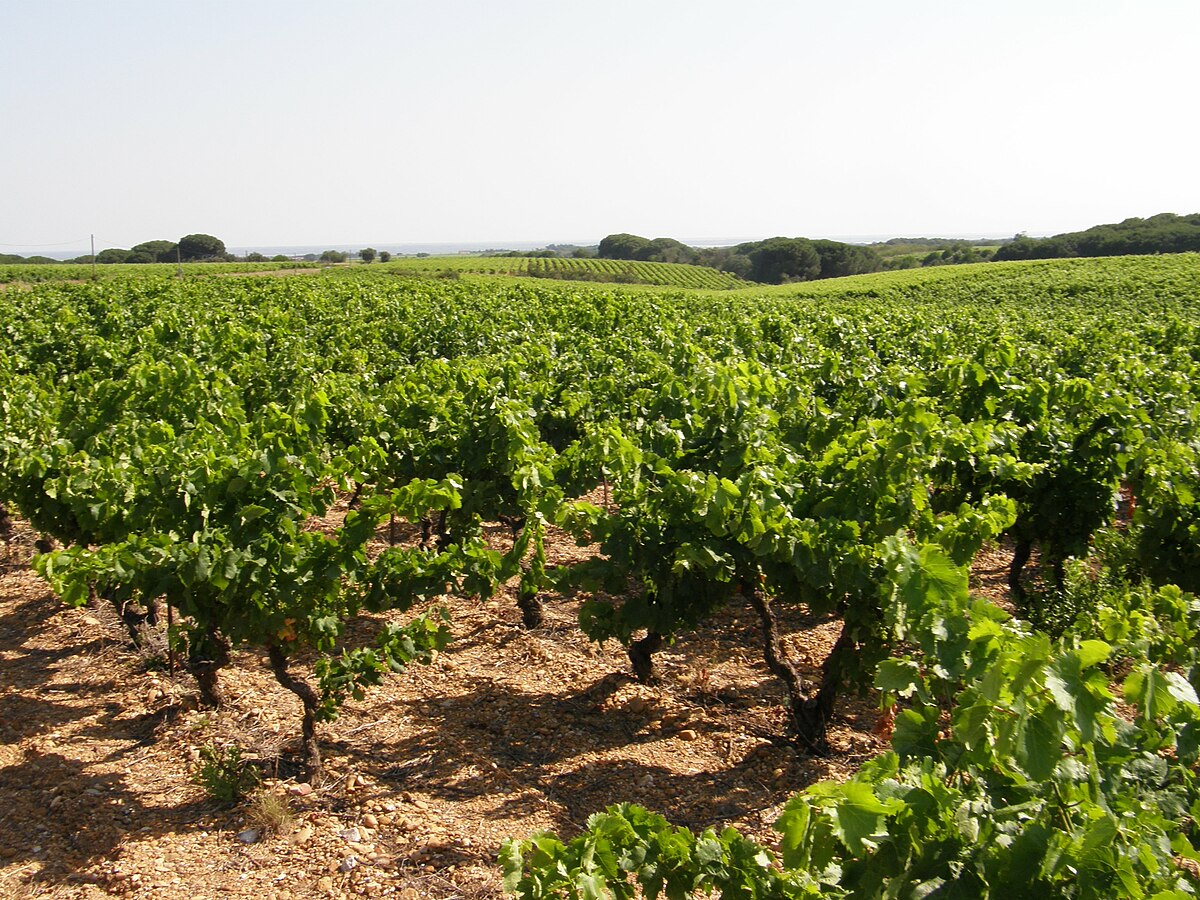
[(776, 260), (1163, 233), (189, 248)]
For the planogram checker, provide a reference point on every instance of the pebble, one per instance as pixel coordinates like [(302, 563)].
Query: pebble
[(371, 821), (349, 864), (300, 790), (689, 734), (350, 834), (351, 781), (90, 621), (249, 836), (302, 835), (325, 883)]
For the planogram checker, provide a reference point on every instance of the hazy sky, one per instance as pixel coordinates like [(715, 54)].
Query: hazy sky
[(277, 123)]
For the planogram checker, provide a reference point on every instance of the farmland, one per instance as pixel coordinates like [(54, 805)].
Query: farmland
[(474, 557), (568, 269), (36, 274)]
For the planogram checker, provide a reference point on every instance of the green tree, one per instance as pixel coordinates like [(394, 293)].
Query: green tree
[(200, 246), (112, 255), (384, 256), (153, 251), (668, 250), (622, 246), (839, 259), (781, 259), (367, 254)]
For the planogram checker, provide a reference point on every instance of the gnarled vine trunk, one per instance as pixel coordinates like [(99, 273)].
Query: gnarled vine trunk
[(533, 611), (809, 710), (1021, 554), (131, 617), (7, 530), (208, 653), (311, 701), (641, 656)]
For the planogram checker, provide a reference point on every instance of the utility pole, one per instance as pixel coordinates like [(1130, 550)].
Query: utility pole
[(93, 257)]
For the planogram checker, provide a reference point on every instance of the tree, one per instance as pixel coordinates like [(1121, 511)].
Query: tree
[(279, 257), (333, 256), (255, 257), (783, 259), (194, 247), (622, 246), (112, 255), (367, 254), (668, 250), (153, 251), (200, 246), (839, 259), (384, 256)]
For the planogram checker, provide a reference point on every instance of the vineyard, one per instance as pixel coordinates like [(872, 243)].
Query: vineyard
[(619, 271), (878, 587), (36, 274)]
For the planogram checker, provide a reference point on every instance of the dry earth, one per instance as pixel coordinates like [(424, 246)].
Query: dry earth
[(507, 732)]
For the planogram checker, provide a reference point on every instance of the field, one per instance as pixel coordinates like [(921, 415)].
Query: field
[(586, 270), (420, 565), (36, 274), (618, 271)]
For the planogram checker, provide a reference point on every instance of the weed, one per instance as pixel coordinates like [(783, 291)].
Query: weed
[(224, 775), (269, 811)]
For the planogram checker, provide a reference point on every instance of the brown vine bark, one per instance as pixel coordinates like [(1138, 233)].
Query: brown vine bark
[(311, 701), (809, 714), (206, 657), (1021, 554), (641, 656), (127, 612), (7, 531), (533, 611)]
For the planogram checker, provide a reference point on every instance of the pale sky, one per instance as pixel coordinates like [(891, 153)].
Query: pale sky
[(289, 123)]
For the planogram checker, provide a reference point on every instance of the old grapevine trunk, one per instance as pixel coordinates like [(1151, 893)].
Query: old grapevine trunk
[(809, 706), (208, 653), (311, 701), (641, 656)]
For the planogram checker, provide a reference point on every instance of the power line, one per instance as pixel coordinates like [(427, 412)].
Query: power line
[(45, 244)]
